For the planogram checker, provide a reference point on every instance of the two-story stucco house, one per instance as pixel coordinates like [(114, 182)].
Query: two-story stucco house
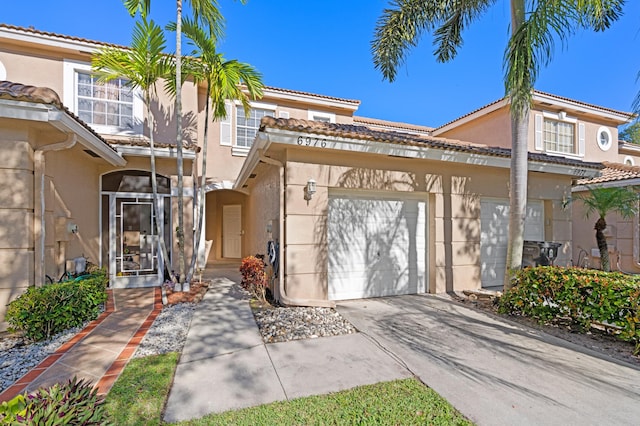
[(343, 206)]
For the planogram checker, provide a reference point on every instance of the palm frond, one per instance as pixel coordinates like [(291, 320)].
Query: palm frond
[(600, 14), (621, 200), (135, 6), (532, 45), (448, 37)]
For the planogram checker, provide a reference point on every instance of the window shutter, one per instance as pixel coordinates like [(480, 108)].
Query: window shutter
[(539, 145), (225, 125), (581, 142)]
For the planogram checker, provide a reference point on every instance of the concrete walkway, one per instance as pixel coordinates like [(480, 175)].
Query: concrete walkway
[(495, 372), (102, 349), (225, 365)]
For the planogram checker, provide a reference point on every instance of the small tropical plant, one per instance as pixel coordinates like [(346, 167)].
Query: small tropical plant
[(254, 278), (71, 403), (621, 200)]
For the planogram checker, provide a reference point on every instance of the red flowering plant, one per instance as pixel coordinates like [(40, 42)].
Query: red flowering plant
[(254, 278)]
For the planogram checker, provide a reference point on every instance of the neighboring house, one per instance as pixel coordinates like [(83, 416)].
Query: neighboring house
[(623, 235), (359, 207)]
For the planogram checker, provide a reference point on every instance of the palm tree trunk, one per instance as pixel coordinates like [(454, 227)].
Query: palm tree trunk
[(605, 263), (201, 194), (154, 190), (518, 173), (181, 252)]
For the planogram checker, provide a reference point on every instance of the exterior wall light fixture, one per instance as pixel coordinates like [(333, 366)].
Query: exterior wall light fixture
[(310, 189)]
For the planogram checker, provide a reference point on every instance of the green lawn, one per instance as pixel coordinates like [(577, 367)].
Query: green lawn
[(139, 395)]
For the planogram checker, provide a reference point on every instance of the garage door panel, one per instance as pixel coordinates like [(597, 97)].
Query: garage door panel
[(494, 236), (376, 247)]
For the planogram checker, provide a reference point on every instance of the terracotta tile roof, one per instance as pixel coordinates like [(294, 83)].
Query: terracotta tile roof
[(57, 35), (353, 131), (613, 172), (560, 98), (41, 95), (22, 92), (315, 95), (144, 141), (392, 124)]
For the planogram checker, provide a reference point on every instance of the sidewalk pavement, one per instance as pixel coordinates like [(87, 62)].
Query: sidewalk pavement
[(102, 349), (225, 365)]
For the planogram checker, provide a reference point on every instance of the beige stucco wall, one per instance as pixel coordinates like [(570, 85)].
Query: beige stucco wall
[(453, 193), (493, 129)]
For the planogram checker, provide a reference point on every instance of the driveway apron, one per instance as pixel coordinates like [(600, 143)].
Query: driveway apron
[(496, 372)]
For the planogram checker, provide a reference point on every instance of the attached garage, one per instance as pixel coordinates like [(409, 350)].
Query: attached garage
[(376, 244), (494, 236)]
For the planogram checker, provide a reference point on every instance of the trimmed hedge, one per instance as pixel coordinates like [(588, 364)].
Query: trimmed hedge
[(44, 311), (584, 296)]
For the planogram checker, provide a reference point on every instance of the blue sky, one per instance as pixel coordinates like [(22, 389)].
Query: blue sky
[(324, 47)]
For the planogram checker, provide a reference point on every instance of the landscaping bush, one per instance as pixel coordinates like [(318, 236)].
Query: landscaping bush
[(254, 278), (44, 311), (71, 403), (584, 296)]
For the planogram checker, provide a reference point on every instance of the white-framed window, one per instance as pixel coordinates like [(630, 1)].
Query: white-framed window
[(325, 117), (628, 161), (247, 125), (604, 138), (110, 108), (3, 72), (559, 136), (238, 130), (555, 133)]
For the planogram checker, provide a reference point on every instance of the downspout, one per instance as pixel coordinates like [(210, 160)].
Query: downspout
[(39, 168), (282, 294)]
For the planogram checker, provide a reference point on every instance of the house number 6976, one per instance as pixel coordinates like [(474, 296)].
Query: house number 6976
[(309, 141)]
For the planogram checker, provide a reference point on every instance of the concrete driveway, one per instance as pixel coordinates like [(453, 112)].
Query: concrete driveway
[(496, 372)]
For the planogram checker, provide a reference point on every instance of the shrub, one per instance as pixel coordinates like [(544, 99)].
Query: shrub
[(584, 296), (44, 311), (254, 278), (71, 403)]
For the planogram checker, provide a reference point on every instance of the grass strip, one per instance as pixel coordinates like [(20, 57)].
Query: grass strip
[(138, 397), (139, 394)]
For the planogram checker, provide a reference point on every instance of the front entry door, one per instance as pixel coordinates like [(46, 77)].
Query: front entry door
[(232, 231), (135, 252)]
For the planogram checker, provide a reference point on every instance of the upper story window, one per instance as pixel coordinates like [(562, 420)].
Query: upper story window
[(238, 130), (555, 133), (109, 108), (559, 136), (325, 117), (247, 125), (107, 104)]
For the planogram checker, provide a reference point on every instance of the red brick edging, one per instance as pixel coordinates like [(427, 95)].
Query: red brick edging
[(107, 381)]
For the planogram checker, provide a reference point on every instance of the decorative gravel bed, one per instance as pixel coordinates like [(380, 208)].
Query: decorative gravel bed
[(280, 324), (168, 332), (17, 358)]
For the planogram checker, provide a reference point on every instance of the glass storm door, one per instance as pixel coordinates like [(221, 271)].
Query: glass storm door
[(135, 250)]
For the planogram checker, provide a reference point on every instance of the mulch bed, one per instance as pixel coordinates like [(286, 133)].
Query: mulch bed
[(194, 295)]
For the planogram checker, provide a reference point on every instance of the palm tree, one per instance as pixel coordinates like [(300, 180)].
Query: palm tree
[(621, 200), (143, 65), (223, 80), (206, 12), (533, 31)]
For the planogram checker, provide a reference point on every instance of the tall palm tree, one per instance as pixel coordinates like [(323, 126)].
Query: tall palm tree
[(223, 79), (143, 65), (205, 12), (621, 200), (535, 25)]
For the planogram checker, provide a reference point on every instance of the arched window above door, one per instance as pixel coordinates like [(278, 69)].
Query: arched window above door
[(134, 181)]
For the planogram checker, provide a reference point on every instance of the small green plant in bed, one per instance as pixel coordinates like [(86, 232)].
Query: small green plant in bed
[(583, 296), (41, 312), (72, 403)]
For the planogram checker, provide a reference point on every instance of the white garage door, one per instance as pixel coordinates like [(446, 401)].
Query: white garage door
[(376, 246), (494, 236)]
